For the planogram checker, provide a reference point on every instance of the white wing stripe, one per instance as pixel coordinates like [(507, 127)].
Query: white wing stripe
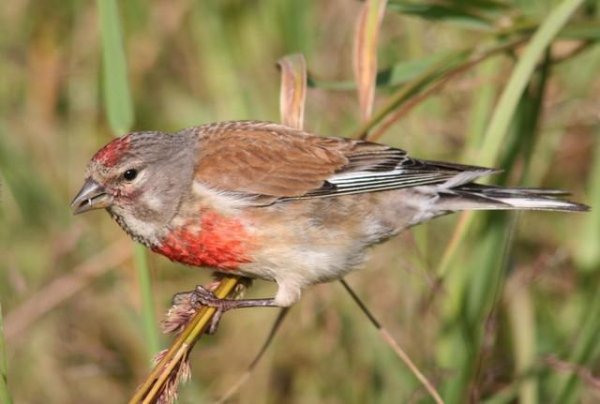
[(349, 176), (401, 178)]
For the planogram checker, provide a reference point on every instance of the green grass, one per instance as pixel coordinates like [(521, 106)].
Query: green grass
[(507, 104), (516, 290), (4, 392), (119, 110)]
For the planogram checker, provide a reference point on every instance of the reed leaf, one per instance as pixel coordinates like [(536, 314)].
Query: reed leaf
[(119, 108)]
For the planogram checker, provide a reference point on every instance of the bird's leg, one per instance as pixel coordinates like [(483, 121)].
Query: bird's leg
[(203, 296)]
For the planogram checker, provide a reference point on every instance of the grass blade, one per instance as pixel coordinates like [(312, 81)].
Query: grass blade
[(521, 75), (493, 140), (584, 351), (116, 87), (519, 306), (477, 289), (474, 289), (588, 253), (4, 393), (118, 104), (454, 12), (148, 308)]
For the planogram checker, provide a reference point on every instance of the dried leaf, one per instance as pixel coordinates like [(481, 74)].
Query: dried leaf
[(365, 53), (293, 90)]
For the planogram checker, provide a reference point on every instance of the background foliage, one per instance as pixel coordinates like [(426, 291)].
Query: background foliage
[(512, 313)]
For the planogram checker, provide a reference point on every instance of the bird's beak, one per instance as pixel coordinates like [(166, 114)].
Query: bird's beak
[(91, 196)]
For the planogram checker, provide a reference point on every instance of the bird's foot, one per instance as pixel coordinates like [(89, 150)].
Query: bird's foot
[(204, 297)]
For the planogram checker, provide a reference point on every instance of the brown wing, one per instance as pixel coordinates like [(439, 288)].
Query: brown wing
[(273, 160), (266, 159)]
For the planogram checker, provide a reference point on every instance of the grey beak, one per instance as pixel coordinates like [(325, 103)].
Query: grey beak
[(91, 196)]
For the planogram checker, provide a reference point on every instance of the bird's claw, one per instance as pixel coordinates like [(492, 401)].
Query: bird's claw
[(204, 297)]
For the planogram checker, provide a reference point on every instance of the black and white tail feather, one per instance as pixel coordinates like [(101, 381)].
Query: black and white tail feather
[(474, 196), (372, 169)]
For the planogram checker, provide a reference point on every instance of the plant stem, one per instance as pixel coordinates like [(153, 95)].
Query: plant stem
[(4, 393)]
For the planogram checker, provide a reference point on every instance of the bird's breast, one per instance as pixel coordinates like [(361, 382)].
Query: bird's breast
[(216, 241)]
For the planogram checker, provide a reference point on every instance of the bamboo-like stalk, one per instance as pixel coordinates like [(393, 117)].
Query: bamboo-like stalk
[(154, 384)]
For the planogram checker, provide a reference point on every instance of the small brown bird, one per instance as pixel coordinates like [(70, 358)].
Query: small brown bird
[(267, 201)]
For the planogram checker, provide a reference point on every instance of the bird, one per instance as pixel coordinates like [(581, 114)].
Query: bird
[(267, 201)]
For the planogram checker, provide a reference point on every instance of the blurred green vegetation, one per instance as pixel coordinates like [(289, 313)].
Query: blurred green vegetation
[(511, 313)]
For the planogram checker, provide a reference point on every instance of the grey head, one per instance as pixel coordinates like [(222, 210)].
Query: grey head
[(140, 178)]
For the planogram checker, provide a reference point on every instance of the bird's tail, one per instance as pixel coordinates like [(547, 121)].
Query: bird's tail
[(473, 196)]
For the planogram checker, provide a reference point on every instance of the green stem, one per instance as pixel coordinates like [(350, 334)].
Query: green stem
[(4, 393), (119, 108), (117, 98), (148, 307)]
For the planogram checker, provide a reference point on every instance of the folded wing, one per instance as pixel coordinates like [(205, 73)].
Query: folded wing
[(264, 159)]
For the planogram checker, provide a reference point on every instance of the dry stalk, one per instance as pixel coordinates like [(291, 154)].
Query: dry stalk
[(364, 59), (172, 365), (392, 343), (292, 96)]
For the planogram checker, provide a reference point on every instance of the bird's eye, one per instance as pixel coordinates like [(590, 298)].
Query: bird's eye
[(130, 174)]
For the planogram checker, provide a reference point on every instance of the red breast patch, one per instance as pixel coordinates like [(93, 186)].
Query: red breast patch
[(220, 243)]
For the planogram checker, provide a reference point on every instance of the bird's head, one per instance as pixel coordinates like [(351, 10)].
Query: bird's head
[(139, 178)]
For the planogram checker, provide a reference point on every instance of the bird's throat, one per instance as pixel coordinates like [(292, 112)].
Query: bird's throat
[(218, 242)]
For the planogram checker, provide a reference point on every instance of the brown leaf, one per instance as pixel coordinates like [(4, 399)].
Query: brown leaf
[(293, 90), (365, 53)]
